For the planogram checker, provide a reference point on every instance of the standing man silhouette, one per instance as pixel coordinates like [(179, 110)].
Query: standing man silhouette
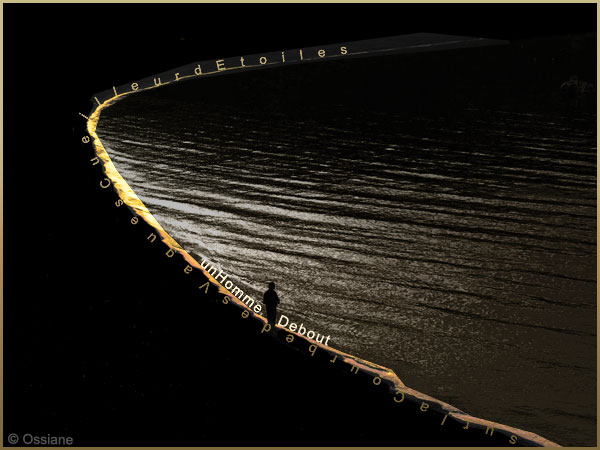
[(271, 300)]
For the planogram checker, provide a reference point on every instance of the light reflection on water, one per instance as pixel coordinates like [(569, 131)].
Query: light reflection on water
[(460, 253)]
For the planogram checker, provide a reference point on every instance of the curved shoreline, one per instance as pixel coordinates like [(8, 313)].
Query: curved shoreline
[(377, 374)]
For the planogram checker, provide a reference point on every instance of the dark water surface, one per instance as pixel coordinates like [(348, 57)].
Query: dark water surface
[(460, 252)]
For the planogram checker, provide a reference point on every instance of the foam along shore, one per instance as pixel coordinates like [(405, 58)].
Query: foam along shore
[(420, 418)]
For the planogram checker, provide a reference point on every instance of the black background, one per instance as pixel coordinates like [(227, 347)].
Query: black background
[(65, 255)]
